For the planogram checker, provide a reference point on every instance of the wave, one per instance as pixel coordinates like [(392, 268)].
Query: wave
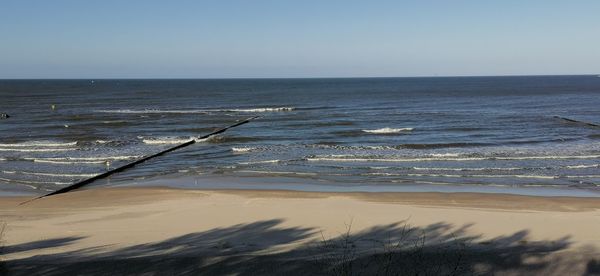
[(52, 174), (38, 144), (260, 162), (440, 145), (81, 160), (468, 169), (168, 140), (196, 111), (263, 109), (37, 150), (246, 149), (467, 175), (217, 139), (351, 158), (501, 168), (387, 130), (33, 182), (153, 111), (444, 155), (583, 166), (278, 172)]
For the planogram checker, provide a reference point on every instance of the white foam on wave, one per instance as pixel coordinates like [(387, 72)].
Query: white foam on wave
[(467, 169), (38, 144), (52, 174), (469, 175), (152, 111), (81, 160), (548, 157), (261, 109), (26, 182), (344, 158), (36, 149), (387, 130), (66, 161), (260, 162), (583, 166), (278, 172), (365, 159), (167, 140), (582, 176), (444, 155), (245, 149), (193, 111)]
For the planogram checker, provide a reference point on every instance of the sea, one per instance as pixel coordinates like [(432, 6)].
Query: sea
[(445, 134)]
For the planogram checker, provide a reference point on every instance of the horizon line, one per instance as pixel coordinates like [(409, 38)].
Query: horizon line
[(312, 77)]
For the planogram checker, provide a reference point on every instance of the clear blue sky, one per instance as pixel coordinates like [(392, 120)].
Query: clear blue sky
[(302, 38)]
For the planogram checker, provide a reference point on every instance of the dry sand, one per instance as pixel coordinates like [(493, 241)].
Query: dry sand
[(151, 230)]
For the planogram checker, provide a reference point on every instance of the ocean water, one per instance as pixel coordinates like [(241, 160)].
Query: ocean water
[(376, 133)]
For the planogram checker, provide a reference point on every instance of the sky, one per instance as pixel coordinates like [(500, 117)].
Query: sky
[(302, 38)]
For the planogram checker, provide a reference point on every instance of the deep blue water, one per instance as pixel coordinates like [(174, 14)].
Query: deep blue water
[(373, 132)]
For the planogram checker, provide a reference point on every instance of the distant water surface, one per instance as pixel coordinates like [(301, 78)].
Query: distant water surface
[(382, 133)]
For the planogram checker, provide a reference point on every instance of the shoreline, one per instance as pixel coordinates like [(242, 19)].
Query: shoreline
[(236, 182), (494, 201)]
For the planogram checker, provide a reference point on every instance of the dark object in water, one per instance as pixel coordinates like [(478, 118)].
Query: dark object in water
[(575, 121), (4, 116), (127, 166)]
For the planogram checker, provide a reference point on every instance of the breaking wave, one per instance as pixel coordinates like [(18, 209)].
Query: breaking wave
[(167, 140), (466, 175), (52, 174), (263, 109), (38, 144), (246, 149), (352, 158), (28, 182), (81, 160), (36, 149), (260, 162), (387, 130), (194, 111)]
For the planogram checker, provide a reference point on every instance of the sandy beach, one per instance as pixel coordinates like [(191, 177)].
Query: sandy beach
[(244, 232)]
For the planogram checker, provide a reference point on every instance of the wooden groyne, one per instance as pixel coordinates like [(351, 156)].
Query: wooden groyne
[(132, 164), (577, 122)]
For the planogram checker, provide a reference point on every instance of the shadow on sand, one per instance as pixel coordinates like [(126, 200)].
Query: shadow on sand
[(265, 247)]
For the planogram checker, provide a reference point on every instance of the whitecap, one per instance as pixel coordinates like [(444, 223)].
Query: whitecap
[(469, 175), (261, 109), (260, 162), (81, 160), (51, 174), (467, 169), (37, 149), (583, 166), (194, 111), (152, 111), (351, 158), (444, 155), (167, 140), (41, 144), (33, 182), (245, 149), (387, 130)]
